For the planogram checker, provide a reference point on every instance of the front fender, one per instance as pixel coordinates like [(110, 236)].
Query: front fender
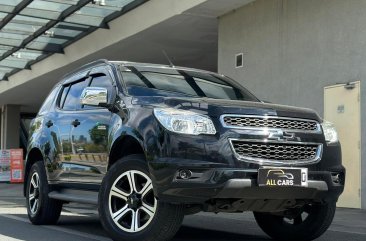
[(140, 125)]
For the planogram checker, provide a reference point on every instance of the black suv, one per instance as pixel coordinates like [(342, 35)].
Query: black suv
[(151, 143)]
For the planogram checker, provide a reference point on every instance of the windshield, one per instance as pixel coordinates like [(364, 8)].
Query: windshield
[(147, 81)]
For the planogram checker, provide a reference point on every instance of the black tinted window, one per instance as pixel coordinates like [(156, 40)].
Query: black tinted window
[(132, 79), (183, 82), (49, 100), (72, 101), (102, 81)]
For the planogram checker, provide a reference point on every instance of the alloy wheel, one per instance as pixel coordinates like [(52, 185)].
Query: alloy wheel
[(34, 192), (132, 204)]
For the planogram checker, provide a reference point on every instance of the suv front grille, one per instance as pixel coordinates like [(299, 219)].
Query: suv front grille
[(284, 153), (292, 124)]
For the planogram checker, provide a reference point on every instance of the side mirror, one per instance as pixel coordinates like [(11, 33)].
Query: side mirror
[(94, 96)]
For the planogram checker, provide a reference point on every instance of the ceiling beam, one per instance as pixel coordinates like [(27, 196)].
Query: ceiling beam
[(76, 28), (102, 25), (50, 48), (124, 10)]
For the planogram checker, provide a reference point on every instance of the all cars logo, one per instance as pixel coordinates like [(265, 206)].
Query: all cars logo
[(279, 178)]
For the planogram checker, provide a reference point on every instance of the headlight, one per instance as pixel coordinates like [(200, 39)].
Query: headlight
[(330, 132), (184, 122)]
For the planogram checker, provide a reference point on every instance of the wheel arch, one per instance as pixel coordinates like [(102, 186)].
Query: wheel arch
[(124, 146)]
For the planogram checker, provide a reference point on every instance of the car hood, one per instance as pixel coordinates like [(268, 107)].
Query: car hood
[(217, 107)]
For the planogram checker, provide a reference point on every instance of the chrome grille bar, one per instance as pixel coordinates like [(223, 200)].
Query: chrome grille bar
[(275, 153), (270, 122)]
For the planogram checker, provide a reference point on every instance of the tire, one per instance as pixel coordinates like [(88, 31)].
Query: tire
[(311, 222), (124, 199), (41, 209)]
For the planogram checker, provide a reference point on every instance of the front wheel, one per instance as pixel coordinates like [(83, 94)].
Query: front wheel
[(308, 224), (128, 208)]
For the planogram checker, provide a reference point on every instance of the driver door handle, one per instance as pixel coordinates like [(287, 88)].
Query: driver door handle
[(49, 123), (75, 123)]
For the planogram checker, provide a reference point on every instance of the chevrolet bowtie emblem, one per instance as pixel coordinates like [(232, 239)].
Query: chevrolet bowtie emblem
[(279, 135)]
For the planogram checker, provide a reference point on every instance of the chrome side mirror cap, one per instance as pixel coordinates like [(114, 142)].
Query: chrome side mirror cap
[(94, 96)]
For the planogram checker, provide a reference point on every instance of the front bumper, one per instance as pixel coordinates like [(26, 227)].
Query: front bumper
[(213, 183), (217, 174)]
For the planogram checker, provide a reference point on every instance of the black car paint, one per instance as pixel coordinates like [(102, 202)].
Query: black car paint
[(207, 156)]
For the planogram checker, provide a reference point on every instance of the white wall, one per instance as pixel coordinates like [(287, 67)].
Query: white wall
[(293, 48)]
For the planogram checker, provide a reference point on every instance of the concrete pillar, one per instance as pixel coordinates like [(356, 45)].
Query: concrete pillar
[(10, 124)]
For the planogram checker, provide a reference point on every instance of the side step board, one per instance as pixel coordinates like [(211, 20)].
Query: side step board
[(78, 196)]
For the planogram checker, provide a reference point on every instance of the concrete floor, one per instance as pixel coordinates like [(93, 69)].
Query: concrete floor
[(78, 224)]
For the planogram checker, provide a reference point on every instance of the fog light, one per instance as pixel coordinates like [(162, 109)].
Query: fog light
[(185, 174), (337, 178)]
